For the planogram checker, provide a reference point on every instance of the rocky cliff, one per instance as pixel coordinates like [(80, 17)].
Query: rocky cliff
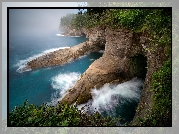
[(69, 31), (126, 55), (74, 32)]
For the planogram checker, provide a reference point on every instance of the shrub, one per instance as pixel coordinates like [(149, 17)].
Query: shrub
[(60, 115), (160, 114)]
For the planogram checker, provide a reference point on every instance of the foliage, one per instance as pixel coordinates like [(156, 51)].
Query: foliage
[(73, 21), (160, 114), (60, 115), (156, 23), (66, 20)]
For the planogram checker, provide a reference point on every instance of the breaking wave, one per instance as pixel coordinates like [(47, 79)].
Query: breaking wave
[(61, 83), (21, 64), (111, 97)]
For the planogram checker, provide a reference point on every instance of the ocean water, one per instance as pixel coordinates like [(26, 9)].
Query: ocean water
[(114, 100), (48, 85)]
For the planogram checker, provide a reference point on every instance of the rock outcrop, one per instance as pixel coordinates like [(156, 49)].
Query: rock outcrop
[(113, 65), (117, 64), (95, 43), (124, 51), (74, 32)]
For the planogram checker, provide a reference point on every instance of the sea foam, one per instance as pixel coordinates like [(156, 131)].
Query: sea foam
[(66, 36), (21, 64), (110, 96), (101, 51), (59, 35), (61, 83)]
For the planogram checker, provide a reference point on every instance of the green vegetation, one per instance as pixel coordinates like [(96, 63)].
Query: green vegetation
[(73, 21), (155, 23), (67, 20), (60, 115), (160, 114)]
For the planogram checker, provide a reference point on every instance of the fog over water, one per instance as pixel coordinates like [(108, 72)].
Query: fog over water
[(36, 20)]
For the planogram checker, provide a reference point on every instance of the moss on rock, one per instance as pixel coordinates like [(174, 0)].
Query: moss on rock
[(83, 98)]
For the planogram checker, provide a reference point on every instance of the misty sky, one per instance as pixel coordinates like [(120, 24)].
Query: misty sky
[(36, 20)]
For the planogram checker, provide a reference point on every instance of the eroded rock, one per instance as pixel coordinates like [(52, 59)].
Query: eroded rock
[(114, 66), (66, 55)]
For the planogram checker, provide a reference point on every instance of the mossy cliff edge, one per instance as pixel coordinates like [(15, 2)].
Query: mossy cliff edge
[(126, 55), (131, 49)]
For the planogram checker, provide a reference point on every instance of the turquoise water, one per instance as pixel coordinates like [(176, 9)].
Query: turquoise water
[(48, 85), (38, 86)]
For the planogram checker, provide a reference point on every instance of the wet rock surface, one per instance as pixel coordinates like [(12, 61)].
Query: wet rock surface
[(114, 66)]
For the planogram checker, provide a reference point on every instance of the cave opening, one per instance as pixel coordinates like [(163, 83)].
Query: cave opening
[(83, 34), (138, 66)]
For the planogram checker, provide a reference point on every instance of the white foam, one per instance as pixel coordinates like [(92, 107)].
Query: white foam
[(91, 59), (61, 83), (53, 49), (101, 51), (83, 56), (65, 35), (74, 36), (59, 35), (109, 96), (23, 63)]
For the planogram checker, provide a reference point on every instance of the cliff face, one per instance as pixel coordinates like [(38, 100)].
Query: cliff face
[(118, 63), (69, 31), (113, 65), (74, 32), (126, 55)]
